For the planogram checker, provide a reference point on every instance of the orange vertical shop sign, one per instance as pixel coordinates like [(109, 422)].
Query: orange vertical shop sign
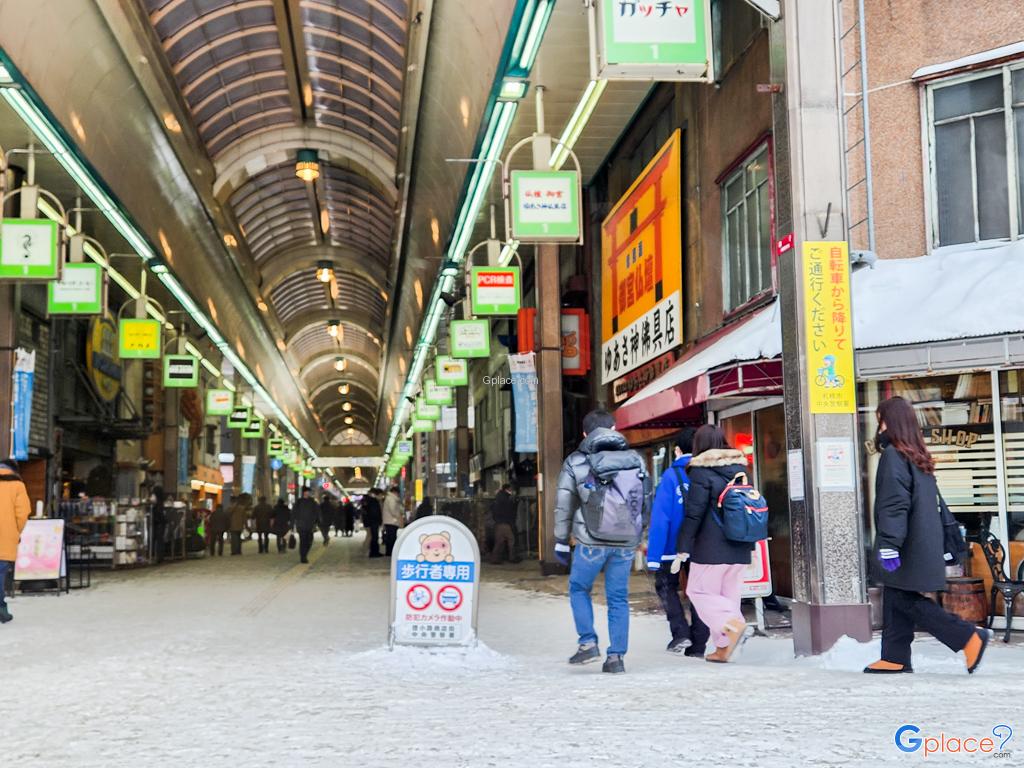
[(828, 325), (642, 268)]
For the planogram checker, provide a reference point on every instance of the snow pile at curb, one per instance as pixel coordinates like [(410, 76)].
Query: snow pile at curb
[(848, 655), (478, 658)]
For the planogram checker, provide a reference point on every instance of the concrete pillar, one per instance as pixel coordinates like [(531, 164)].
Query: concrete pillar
[(549, 398), (827, 536), (10, 307)]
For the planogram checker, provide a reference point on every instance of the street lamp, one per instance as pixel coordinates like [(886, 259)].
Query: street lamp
[(307, 166)]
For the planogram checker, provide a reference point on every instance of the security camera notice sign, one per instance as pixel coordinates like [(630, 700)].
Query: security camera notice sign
[(434, 581)]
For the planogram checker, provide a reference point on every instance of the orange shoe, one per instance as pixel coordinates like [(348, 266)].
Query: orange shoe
[(718, 656), (736, 631), (883, 667), (975, 649)]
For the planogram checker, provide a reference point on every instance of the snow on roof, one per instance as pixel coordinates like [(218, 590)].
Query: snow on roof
[(954, 293), (758, 337), (1013, 49)]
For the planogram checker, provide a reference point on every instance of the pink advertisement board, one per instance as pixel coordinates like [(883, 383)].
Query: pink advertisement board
[(39, 553)]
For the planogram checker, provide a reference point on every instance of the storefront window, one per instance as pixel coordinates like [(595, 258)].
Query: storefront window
[(1011, 388), (955, 415)]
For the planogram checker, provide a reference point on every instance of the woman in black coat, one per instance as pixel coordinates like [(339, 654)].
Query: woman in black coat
[(281, 525), (910, 546), (717, 564)]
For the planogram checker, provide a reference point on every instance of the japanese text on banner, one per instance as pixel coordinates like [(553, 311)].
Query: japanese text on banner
[(828, 325)]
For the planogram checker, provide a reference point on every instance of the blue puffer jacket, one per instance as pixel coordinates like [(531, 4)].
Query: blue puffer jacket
[(667, 514)]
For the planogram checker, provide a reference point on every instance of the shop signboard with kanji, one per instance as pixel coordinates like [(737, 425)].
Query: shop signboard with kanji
[(181, 371), (437, 394), (828, 324), (219, 402), (424, 410), (404, 448), (29, 250), (495, 290), (545, 206), (275, 447), (470, 338), (435, 576), (81, 290), (139, 338), (239, 417), (650, 40), (642, 268)]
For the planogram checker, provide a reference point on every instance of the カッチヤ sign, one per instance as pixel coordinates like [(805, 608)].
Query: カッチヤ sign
[(435, 576)]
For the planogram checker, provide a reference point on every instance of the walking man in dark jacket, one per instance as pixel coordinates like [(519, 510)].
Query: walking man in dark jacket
[(305, 515), (282, 524), (372, 518), (503, 510), (666, 520), (262, 514), (603, 500), (326, 517)]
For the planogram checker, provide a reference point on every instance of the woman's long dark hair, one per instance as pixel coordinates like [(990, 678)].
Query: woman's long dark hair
[(903, 431), (708, 438)]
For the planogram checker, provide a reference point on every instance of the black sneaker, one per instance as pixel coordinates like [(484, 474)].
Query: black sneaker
[(5, 615), (613, 664), (695, 652), (679, 645), (587, 653)]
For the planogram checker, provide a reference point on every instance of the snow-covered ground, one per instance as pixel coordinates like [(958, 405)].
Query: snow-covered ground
[(256, 661)]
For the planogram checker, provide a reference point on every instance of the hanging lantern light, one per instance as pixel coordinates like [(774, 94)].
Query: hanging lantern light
[(324, 270), (349, 420), (346, 406), (344, 389), (333, 327), (307, 166), (340, 363)]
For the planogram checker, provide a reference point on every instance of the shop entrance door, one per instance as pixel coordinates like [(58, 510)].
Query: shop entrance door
[(770, 459)]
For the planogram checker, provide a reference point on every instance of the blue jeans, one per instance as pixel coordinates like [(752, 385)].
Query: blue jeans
[(5, 566), (587, 562)]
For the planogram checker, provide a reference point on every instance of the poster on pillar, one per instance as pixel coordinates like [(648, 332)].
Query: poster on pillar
[(642, 268), (831, 378), (651, 40), (524, 392), (434, 579)]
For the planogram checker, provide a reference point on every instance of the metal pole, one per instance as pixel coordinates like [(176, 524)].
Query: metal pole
[(869, 185)]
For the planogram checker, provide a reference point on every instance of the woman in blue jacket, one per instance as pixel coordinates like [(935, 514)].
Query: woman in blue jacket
[(666, 519)]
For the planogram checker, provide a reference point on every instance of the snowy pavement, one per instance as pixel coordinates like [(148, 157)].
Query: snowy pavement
[(257, 661)]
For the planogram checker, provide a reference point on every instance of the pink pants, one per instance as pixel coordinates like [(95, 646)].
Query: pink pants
[(714, 591)]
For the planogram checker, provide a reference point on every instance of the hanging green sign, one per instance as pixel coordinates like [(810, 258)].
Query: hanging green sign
[(435, 394), (450, 372), (404, 448), (659, 41), (219, 402), (423, 425), (545, 207), (470, 338), (79, 291), (275, 447), (240, 417), (255, 428), (139, 338), (425, 410), (495, 290), (28, 250), (181, 371)]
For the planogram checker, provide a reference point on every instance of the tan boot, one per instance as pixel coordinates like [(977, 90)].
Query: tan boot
[(735, 631), (719, 656)]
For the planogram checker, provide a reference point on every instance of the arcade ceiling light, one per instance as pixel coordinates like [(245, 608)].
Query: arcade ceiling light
[(324, 270), (307, 166)]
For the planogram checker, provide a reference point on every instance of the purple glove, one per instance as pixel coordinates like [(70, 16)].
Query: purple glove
[(889, 558), (562, 552)]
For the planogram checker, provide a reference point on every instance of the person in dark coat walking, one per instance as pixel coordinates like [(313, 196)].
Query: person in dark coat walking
[(306, 515), (262, 514), (348, 517), (217, 525), (281, 524), (910, 555), (425, 509), (372, 519), (326, 517), (503, 511), (717, 564)]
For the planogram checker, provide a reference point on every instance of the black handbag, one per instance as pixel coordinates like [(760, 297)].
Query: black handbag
[(292, 543), (952, 540)]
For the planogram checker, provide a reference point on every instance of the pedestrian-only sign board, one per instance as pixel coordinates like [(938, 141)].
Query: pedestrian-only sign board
[(435, 576)]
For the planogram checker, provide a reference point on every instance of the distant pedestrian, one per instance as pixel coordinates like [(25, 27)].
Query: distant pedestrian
[(603, 499), (718, 563), (14, 512), (371, 513), (217, 526), (282, 525), (348, 515), (393, 518), (306, 515), (241, 508), (262, 515), (425, 509), (158, 498), (503, 512), (911, 546), (326, 517), (666, 520)]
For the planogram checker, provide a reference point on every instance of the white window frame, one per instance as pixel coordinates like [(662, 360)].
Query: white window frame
[(763, 148), (928, 120)]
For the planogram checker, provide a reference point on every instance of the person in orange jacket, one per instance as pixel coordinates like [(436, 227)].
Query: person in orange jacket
[(14, 512)]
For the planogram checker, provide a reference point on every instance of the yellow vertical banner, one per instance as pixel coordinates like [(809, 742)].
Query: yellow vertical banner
[(418, 492), (828, 324)]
